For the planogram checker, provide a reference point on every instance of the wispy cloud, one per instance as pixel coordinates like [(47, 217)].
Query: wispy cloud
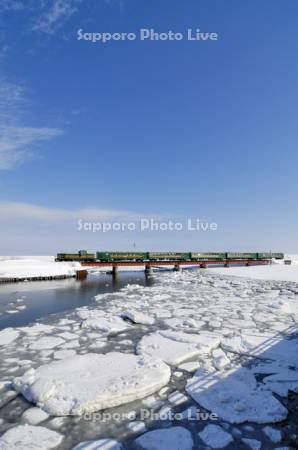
[(54, 16), (14, 5), (32, 212), (17, 142), (11, 101)]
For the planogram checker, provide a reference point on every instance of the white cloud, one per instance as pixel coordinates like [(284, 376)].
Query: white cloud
[(17, 141), (29, 211)]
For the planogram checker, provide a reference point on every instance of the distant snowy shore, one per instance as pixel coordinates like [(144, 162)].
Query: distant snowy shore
[(277, 271), (35, 266)]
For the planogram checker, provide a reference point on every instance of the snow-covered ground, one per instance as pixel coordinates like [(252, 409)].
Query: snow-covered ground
[(198, 359), (34, 266), (276, 271), (272, 272)]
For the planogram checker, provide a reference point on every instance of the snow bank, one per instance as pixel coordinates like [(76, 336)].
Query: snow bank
[(91, 382), (35, 267)]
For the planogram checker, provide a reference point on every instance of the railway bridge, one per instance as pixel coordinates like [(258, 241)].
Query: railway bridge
[(176, 265)]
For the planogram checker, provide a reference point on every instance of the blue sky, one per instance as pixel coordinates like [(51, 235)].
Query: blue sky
[(148, 128)]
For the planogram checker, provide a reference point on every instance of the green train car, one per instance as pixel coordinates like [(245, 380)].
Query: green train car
[(81, 256), (207, 256), (121, 256), (142, 256), (271, 255), (237, 255), (169, 256)]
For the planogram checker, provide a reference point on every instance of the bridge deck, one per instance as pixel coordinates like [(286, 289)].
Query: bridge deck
[(244, 262)]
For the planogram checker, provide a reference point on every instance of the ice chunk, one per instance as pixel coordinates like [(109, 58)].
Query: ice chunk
[(7, 396), (215, 436), (204, 340), (37, 328), (101, 444), (8, 335), (170, 351), (189, 366), (175, 438), (264, 345), (235, 396), (273, 434), (62, 354), (282, 382), (177, 398), (28, 437), (34, 416), (138, 317), (46, 342), (252, 443), (105, 324), (219, 359), (137, 426), (87, 383)]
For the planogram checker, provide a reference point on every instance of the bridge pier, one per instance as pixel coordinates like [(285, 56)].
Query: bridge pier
[(81, 274), (148, 269), (115, 270), (177, 267)]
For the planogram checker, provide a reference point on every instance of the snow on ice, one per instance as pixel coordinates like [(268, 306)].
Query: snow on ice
[(91, 382), (235, 396), (28, 437), (137, 317)]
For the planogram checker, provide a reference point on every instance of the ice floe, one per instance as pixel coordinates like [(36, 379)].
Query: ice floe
[(34, 416), (28, 437), (254, 444), (171, 351), (138, 317), (8, 335), (175, 438), (239, 336), (235, 396), (215, 436), (97, 320), (87, 383)]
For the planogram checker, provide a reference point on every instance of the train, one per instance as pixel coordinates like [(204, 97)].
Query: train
[(100, 256)]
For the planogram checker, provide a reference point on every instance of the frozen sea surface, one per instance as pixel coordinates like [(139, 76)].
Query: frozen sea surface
[(216, 364)]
